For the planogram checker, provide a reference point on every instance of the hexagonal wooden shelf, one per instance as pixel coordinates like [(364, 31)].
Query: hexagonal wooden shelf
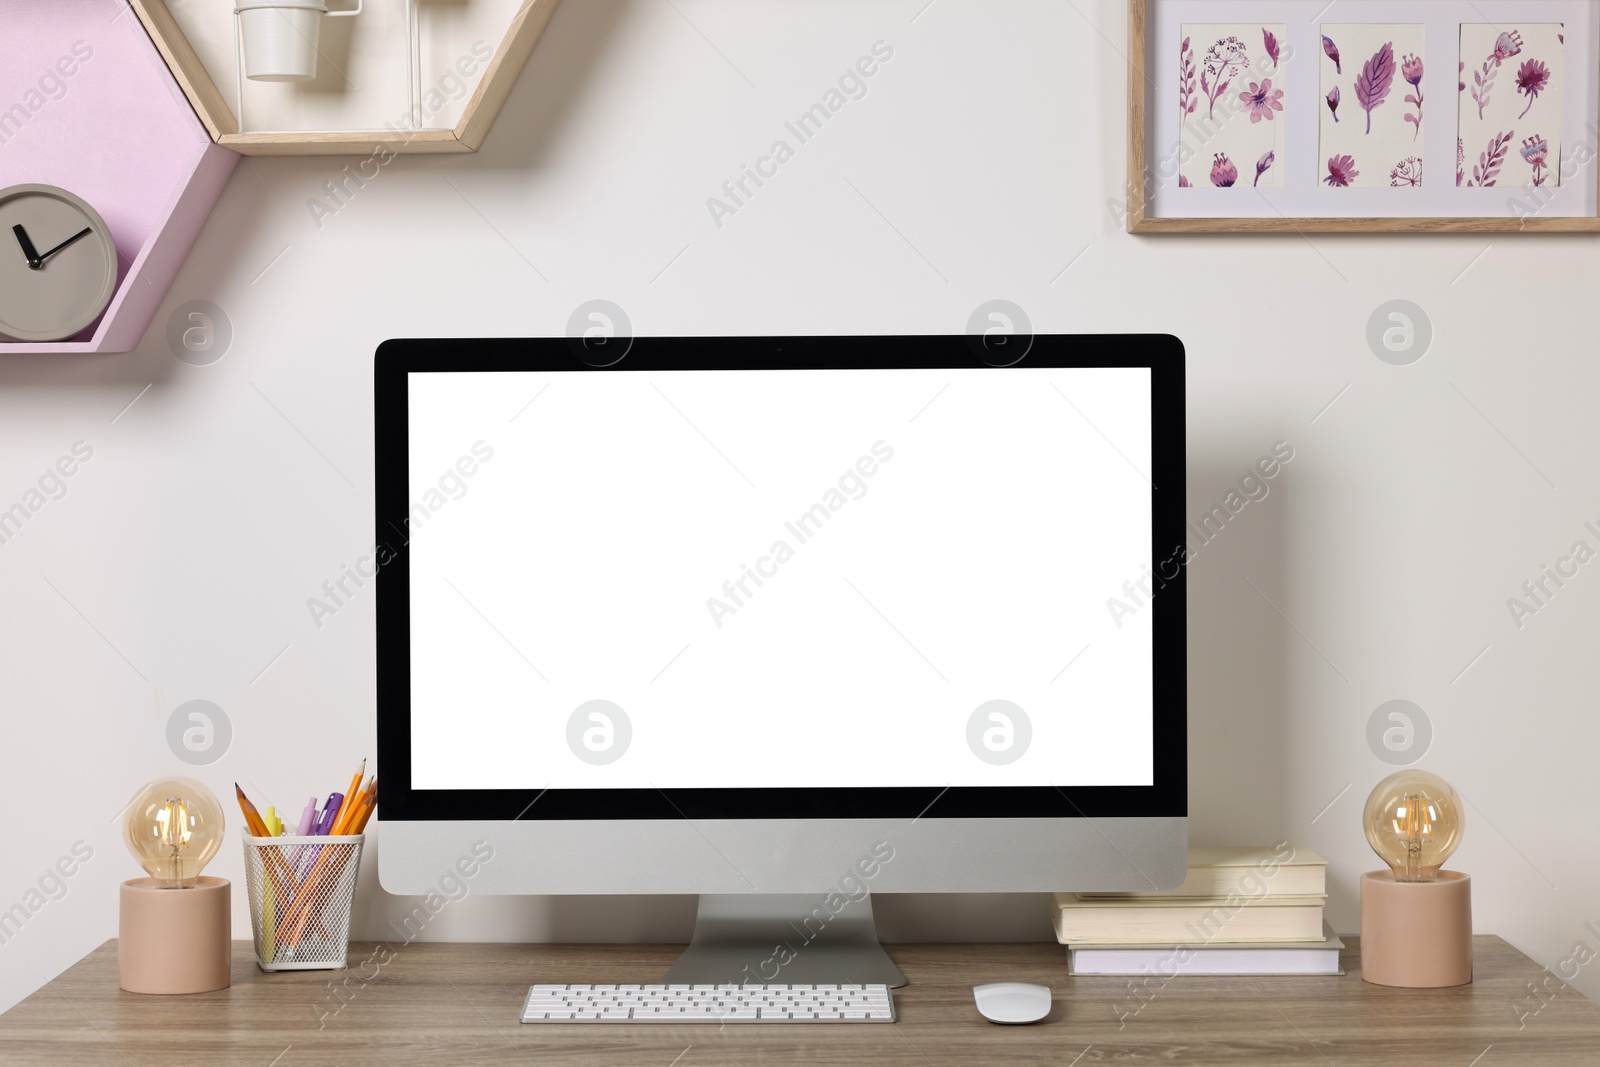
[(94, 111), (467, 136)]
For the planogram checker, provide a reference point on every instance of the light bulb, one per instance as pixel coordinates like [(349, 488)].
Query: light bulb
[(174, 827), (1414, 822)]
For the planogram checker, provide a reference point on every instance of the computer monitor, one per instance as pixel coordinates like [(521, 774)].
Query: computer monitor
[(782, 622)]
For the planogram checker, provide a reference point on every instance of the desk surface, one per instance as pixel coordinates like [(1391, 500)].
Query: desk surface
[(454, 1003)]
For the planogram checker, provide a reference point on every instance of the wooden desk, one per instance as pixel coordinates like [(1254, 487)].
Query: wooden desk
[(456, 1004)]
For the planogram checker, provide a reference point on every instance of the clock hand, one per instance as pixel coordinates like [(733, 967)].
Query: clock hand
[(80, 235), (34, 259)]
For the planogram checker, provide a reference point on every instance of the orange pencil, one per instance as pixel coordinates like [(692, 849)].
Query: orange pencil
[(277, 869), (350, 796), (366, 813), (352, 810), (252, 817)]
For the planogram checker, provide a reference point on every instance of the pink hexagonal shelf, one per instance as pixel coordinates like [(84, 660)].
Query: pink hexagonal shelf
[(87, 104)]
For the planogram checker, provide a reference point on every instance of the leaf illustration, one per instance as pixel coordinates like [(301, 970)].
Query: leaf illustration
[(1484, 82), (1186, 97), (1489, 163), (1270, 41), (1375, 80)]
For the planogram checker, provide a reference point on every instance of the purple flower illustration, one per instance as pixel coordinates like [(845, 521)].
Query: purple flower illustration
[(1411, 71), (1505, 46), (1332, 51), (1536, 151), (1375, 80), (1264, 164), (1262, 100), (1269, 41), (1183, 182), (1341, 171), (1223, 60), (1333, 102), (1532, 78), (1407, 174), (1223, 172)]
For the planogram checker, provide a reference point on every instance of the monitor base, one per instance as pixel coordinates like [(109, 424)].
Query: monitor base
[(782, 939)]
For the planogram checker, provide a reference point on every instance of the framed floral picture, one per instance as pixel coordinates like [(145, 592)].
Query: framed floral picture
[(1262, 116)]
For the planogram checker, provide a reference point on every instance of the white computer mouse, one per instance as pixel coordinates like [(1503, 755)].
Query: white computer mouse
[(1012, 1003)]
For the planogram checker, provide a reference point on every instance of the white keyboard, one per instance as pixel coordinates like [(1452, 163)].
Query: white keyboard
[(708, 1004)]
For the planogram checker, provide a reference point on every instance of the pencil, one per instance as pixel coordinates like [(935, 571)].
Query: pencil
[(352, 811), (252, 817), (350, 798), (366, 812)]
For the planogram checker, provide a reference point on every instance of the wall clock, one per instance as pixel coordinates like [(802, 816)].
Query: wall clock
[(87, 105), (58, 263)]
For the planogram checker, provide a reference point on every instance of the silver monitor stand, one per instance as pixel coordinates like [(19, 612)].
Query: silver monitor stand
[(779, 939)]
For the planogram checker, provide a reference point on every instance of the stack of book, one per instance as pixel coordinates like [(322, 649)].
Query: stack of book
[(1239, 911)]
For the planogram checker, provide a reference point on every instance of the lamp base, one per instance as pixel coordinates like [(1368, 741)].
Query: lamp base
[(175, 940), (1416, 934)]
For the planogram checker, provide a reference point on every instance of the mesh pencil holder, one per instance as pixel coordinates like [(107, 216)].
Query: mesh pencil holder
[(301, 891)]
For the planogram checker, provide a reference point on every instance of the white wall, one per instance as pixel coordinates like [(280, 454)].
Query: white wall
[(983, 161)]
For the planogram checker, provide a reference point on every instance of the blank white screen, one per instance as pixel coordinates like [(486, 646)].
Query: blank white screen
[(585, 554)]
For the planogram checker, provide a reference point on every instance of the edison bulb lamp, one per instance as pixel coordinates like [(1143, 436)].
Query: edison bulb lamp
[(1414, 824), (174, 827), (175, 928), (1416, 919)]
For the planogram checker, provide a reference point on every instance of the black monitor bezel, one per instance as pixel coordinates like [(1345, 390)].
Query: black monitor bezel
[(397, 359)]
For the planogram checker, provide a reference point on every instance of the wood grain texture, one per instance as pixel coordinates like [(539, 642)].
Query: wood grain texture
[(1137, 57), (455, 1003), (504, 69), (1139, 221), (343, 143)]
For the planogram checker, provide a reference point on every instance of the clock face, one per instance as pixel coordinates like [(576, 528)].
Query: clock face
[(58, 265)]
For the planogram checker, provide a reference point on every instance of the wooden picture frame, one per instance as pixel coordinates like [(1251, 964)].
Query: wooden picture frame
[(1139, 191), (468, 134)]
